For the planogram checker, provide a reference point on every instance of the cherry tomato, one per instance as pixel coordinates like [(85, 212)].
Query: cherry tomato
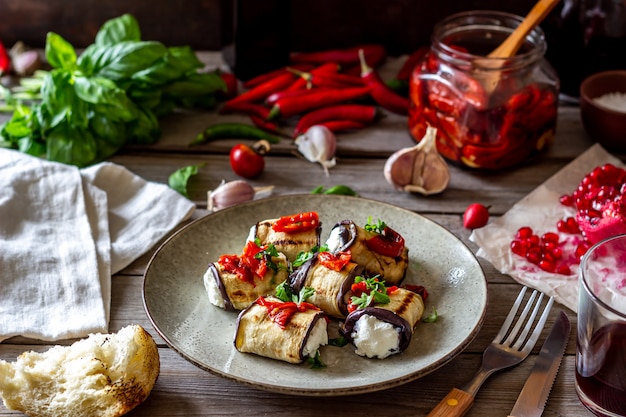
[(246, 162), (476, 215)]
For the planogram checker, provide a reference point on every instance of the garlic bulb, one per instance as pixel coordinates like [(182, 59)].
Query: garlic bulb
[(420, 168), (231, 193), (318, 144)]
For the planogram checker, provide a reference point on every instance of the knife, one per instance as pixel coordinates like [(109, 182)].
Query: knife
[(532, 399)]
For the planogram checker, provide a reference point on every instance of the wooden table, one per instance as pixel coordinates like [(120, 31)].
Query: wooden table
[(185, 390)]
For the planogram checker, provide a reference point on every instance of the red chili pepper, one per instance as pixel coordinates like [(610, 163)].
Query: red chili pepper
[(262, 78), (233, 264), (409, 64), (388, 243), (292, 106), (261, 91), (374, 55), (343, 125), (334, 261), (267, 125), (297, 223), (360, 113), (273, 98), (327, 68), (330, 80), (248, 107), (381, 93), (230, 80), (5, 60)]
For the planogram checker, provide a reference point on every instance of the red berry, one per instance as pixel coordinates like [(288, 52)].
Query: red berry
[(476, 215)]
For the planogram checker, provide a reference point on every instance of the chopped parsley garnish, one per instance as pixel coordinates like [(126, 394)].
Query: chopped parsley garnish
[(302, 257), (377, 227), (432, 317), (316, 361), (268, 253), (369, 291), (340, 341), (286, 294)]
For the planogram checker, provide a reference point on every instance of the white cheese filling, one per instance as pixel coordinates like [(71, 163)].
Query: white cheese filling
[(213, 291), (334, 239), (318, 337), (375, 338)]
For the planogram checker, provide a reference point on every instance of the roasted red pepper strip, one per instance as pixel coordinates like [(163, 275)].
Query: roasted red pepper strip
[(417, 289), (281, 312), (5, 60), (381, 93), (261, 91), (292, 106), (296, 223), (257, 266), (388, 243), (233, 264), (374, 55), (361, 113), (334, 261)]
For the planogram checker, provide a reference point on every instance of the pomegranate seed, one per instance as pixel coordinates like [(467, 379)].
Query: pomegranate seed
[(518, 247), (563, 269), (550, 237), (567, 200), (547, 265), (524, 233), (533, 255)]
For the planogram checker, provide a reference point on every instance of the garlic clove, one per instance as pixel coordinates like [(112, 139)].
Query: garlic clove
[(420, 169), (318, 144), (229, 194)]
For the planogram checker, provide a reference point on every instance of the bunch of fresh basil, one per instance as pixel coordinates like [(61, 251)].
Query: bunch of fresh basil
[(112, 94)]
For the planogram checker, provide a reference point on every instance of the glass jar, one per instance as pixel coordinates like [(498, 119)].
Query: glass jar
[(490, 113)]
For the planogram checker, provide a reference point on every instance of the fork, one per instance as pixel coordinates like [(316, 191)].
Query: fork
[(506, 350)]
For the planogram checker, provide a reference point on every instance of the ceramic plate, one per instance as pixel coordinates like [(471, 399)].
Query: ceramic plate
[(177, 304)]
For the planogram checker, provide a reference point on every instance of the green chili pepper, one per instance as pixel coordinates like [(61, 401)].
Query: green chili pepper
[(336, 189), (233, 131)]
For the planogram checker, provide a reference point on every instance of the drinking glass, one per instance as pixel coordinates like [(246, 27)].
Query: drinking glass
[(601, 342)]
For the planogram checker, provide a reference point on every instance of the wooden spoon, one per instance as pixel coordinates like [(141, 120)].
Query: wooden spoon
[(514, 41), (511, 45)]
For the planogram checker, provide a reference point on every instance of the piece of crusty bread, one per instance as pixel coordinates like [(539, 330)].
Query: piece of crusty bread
[(104, 375)]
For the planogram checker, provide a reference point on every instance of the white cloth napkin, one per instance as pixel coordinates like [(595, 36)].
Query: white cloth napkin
[(63, 232), (540, 210)]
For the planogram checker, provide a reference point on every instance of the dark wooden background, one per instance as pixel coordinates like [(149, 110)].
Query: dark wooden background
[(401, 25)]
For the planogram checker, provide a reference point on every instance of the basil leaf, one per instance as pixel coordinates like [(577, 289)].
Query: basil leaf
[(60, 53), (174, 65), (179, 178), (316, 361), (119, 29), (71, 145), (120, 61), (145, 128)]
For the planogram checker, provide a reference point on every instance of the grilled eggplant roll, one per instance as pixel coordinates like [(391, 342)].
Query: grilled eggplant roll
[(235, 281), (289, 234), (331, 276), (281, 330), (381, 330), (382, 254)]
